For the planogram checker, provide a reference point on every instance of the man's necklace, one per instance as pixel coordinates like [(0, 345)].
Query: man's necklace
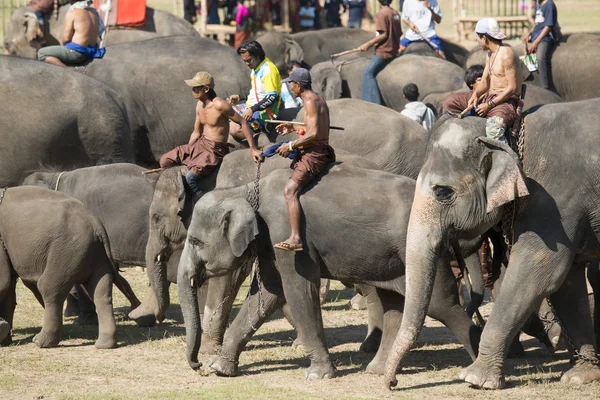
[(492, 60)]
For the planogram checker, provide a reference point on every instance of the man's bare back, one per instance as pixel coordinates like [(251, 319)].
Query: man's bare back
[(81, 27), (504, 61)]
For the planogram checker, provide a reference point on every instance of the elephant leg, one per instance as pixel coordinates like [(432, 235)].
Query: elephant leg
[(392, 305), (100, 285), (144, 314), (445, 307), (323, 290), (72, 308), (543, 326), (578, 326), (7, 299), (301, 279), (260, 303), (532, 267), (375, 318), (36, 292), (219, 297), (593, 275), (87, 310), (53, 290), (475, 275)]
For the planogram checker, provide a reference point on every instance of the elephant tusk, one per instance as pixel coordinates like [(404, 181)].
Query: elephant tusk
[(193, 281), (158, 258)]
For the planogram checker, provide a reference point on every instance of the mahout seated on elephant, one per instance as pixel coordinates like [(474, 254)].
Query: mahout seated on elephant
[(52, 242), (497, 95), (421, 17), (351, 234), (83, 29), (466, 182), (208, 142), (120, 196)]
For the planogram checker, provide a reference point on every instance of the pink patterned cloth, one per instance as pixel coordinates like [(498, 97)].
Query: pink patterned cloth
[(241, 13)]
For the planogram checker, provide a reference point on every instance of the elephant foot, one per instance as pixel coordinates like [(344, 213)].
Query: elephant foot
[(582, 372), (4, 330), (143, 316), (44, 341), (223, 366), (209, 347), (110, 342), (516, 350), (372, 342), (86, 319), (72, 309), (483, 376), (297, 345), (320, 371), (358, 302)]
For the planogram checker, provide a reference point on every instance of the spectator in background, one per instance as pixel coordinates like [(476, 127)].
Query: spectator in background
[(332, 9), (543, 37), (213, 13), (242, 24), (288, 100), (306, 15), (189, 11), (317, 5), (356, 10), (415, 109), (421, 16)]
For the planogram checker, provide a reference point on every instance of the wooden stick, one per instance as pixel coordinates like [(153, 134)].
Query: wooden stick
[(435, 47), (466, 110), (343, 53), (151, 171), (273, 121)]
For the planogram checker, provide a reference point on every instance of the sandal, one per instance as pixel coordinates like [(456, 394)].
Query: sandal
[(288, 247)]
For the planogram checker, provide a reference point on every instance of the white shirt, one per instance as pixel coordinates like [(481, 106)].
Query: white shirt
[(418, 14), (419, 112)]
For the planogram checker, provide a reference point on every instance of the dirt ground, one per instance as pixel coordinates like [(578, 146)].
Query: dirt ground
[(150, 362)]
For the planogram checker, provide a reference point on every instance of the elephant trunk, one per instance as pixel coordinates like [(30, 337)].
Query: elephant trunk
[(423, 244), (156, 262), (188, 283)]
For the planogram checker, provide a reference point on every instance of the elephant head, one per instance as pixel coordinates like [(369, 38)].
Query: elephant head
[(217, 244), (281, 49), (327, 80), (24, 37), (460, 191), (169, 213)]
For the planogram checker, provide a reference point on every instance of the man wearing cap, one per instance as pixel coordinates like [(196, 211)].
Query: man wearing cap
[(265, 95), (208, 141), (315, 152), (497, 95)]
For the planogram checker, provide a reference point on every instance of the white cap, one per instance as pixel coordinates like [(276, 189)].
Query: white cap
[(490, 27)]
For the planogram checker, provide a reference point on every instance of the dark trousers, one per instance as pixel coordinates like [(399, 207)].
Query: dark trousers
[(543, 53)]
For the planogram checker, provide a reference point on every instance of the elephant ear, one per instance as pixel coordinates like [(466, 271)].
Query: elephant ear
[(181, 193), (505, 181), (293, 51), (240, 226), (33, 30)]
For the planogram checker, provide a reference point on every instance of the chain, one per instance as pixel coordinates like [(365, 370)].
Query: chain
[(517, 142)]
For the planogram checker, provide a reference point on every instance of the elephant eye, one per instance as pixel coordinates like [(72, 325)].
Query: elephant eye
[(195, 242), (443, 194)]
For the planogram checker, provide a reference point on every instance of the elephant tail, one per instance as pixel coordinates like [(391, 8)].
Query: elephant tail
[(119, 281)]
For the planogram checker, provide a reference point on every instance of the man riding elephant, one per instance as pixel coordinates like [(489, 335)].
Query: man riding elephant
[(83, 27), (499, 91)]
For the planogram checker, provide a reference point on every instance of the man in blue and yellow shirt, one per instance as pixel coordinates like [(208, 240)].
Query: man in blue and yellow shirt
[(263, 100)]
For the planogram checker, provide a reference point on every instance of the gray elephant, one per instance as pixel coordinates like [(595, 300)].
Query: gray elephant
[(104, 189), (160, 106), (225, 229), (280, 49), (430, 74), (52, 116), (464, 188), (24, 37), (573, 62), (51, 241), (534, 97)]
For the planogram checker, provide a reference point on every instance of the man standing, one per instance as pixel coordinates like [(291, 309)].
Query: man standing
[(208, 141), (315, 152), (387, 43), (265, 95), (543, 37), (421, 16), (356, 9), (497, 95), (83, 27)]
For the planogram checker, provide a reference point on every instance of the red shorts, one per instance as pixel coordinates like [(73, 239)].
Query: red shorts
[(311, 162), (201, 156)]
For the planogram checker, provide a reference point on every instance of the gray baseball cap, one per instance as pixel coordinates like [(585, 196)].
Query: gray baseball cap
[(300, 75)]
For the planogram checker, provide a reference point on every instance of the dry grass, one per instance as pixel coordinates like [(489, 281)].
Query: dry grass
[(150, 362)]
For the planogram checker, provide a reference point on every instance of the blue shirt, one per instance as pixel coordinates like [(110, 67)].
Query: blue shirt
[(545, 15), (356, 9)]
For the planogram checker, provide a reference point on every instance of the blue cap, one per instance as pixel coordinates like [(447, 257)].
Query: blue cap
[(300, 75)]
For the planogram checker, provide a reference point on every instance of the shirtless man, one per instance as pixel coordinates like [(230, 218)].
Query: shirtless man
[(315, 152), (497, 95), (208, 141), (83, 27)]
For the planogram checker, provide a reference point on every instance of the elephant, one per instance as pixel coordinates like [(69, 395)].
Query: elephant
[(104, 190), (157, 124), (280, 49), (468, 184), (51, 241), (534, 97), (455, 53), (365, 246), (171, 211), (55, 117), (24, 37), (430, 74), (573, 63)]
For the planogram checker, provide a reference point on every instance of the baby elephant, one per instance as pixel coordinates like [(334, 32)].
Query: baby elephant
[(52, 242)]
